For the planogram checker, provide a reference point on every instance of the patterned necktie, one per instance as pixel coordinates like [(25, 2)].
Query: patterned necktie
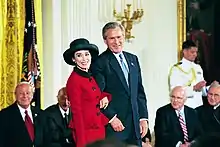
[(183, 126), (124, 68), (29, 125)]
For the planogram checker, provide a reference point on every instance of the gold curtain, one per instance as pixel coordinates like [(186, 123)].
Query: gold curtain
[(38, 19), (12, 21)]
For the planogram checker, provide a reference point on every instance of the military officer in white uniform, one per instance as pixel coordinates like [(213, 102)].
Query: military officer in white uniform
[(187, 73)]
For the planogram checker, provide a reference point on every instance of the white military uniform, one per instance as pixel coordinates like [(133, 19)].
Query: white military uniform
[(187, 73)]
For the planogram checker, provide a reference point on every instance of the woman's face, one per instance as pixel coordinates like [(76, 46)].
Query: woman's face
[(82, 59)]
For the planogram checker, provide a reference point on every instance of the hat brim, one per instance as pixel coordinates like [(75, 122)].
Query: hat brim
[(69, 53)]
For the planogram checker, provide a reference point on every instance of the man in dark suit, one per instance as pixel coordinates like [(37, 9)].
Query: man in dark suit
[(176, 125), (56, 130), (209, 114), (118, 73), (19, 123)]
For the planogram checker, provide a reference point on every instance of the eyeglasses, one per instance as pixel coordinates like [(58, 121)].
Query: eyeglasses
[(176, 98)]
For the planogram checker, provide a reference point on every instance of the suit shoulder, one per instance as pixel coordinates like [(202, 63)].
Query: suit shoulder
[(130, 54), (164, 108), (9, 108), (104, 54), (199, 108), (51, 108), (190, 109), (178, 64)]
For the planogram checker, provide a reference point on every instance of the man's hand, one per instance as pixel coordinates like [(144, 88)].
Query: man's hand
[(117, 125), (186, 144), (143, 128), (104, 102), (199, 85)]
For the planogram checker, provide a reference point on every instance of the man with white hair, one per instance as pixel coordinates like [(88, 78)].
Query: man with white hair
[(176, 124), (19, 121), (209, 115)]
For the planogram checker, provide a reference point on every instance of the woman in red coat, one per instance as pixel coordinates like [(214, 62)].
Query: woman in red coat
[(86, 99)]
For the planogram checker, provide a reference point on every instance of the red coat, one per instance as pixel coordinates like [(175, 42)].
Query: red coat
[(88, 123)]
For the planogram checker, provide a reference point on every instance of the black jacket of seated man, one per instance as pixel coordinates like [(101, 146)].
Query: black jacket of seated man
[(13, 132), (56, 132)]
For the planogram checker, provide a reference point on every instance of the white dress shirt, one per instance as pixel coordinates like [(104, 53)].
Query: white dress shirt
[(119, 60), (63, 112), (22, 111)]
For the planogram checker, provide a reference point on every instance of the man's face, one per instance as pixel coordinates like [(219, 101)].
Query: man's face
[(190, 54), (178, 98), (24, 95), (214, 96), (63, 101), (115, 39)]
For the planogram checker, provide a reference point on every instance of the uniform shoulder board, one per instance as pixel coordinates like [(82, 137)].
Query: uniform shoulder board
[(179, 63)]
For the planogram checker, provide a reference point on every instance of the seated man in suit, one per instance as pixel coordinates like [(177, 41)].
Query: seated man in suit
[(176, 125), (209, 115), (19, 122), (56, 130)]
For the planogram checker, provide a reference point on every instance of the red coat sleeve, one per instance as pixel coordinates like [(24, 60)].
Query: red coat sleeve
[(105, 120), (74, 93)]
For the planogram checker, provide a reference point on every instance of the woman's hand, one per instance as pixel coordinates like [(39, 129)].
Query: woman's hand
[(104, 103)]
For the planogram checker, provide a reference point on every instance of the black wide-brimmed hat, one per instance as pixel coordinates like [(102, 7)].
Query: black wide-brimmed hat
[(80, 44)]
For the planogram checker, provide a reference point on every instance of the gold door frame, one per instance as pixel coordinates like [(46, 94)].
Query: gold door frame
[(181, 24)]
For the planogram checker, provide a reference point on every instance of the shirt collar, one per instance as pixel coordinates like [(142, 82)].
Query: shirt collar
[(22, 110), (215, 107), (181, 111), (63, 112), (184, 60)]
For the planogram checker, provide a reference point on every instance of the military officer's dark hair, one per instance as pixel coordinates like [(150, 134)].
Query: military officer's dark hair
[(188, 44)]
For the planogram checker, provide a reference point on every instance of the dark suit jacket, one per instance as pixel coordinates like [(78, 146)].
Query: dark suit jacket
[(13, 132), (129, 103), (167, 127), (55, 130), (209, 118)]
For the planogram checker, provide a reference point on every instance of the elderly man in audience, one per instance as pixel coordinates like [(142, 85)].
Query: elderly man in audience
[(176, 125), (19, 122), (56, 130), (209, 115)]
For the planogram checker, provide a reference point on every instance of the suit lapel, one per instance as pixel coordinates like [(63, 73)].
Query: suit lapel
[(175, 119), (131, 67), (116, 67), (20, 122), (34, 114), (57, 117)]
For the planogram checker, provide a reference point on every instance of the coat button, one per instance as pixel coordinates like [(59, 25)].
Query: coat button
[(93, 88), (98, 105), (98, 113), (97, 97)]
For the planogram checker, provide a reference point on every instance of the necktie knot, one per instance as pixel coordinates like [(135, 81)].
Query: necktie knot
[(26, 113), (120, 56)]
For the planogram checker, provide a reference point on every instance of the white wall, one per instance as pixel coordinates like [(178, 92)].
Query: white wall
[(155, 44)]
